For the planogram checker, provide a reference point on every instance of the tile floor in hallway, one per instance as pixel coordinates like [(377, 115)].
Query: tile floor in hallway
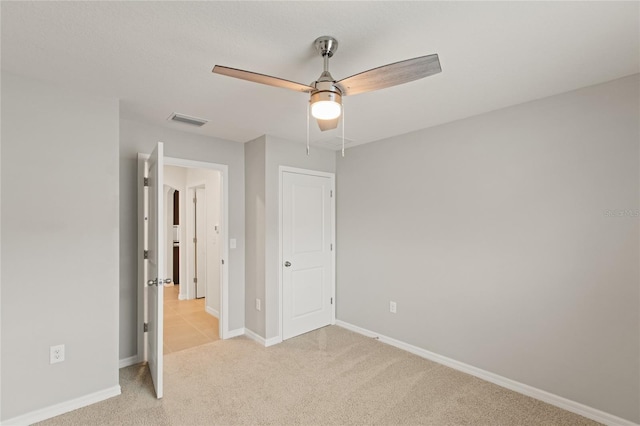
[(186, 324)]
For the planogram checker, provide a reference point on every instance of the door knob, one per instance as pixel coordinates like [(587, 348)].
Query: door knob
[(287, 263), (159, 281)]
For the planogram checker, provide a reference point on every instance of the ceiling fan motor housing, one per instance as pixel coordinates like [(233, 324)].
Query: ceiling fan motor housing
[(326, 100), (326, 95), (326, 91), (327, 86)]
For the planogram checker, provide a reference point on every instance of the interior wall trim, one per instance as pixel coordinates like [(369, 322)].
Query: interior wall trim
[(212, 311), (63, 407), (272, 341), (539, 394), (254, 336), (132, 360), (235, 333), (264, 342)]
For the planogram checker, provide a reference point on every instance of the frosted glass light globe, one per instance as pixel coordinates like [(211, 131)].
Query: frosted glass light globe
[(326, 110)]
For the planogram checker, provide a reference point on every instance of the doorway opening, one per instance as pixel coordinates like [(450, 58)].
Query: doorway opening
[(192, 221), (179, 289)]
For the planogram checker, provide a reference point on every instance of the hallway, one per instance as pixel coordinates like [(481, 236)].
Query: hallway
[(186, 324)]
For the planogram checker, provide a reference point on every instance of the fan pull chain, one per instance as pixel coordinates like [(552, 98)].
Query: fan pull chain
[(308, 103), (342, 129)]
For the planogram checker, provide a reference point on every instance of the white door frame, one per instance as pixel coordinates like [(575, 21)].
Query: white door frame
[(168, 236), (332, 177), (224, 255), (189, 252)]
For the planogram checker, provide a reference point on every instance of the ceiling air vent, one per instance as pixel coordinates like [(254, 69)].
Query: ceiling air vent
[(193, 121), (334, 142)]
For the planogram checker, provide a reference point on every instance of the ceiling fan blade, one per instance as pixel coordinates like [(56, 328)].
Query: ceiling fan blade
[(261, 78), (390, 75), (328, 124)]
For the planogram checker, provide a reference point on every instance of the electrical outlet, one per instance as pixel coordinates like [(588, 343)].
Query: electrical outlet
[(258, 304), (56, 354), (393, 307)]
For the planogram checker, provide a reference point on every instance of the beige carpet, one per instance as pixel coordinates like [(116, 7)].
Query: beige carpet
[(329, 376)]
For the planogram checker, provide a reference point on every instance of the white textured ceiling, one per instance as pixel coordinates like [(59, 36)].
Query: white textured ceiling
[(157, 57)]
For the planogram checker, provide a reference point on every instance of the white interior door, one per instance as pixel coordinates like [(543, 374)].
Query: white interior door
[(200, 224), (307, 258), (155, 265)]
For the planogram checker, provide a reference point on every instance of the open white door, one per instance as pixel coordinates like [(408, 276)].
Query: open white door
[(155, 265)]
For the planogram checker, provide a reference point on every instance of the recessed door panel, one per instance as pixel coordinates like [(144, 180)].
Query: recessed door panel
[(308, 222), (308, 291)]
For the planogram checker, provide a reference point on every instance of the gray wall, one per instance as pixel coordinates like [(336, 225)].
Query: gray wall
[(138, 137), (254, 157), (59, 244), (263, 158), (509, 241)]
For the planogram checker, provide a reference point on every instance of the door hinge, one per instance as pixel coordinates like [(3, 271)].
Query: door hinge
[(331, 193), (145, 254), (145, 327), (195, 200), (332, 300), (146, 182), (331, 247), (195, 280), (223, 261), (195, 240)]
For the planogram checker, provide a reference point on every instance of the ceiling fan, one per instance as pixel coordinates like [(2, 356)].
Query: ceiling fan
[(326, 92)]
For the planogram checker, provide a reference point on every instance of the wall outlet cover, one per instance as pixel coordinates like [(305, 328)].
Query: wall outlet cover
[(56, 354)]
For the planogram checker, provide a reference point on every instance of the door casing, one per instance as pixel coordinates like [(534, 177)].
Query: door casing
[(194, 256)]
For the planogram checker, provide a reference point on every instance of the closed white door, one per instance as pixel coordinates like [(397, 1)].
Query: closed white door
[(155, 266), (307, 253)]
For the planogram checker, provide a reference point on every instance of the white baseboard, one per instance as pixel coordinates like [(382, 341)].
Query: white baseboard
[(558, 401), (234, 333), (272, 341), (132, 360), (181, 296), (212, 311), (254, 336), (264, 342), (63, 407)]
